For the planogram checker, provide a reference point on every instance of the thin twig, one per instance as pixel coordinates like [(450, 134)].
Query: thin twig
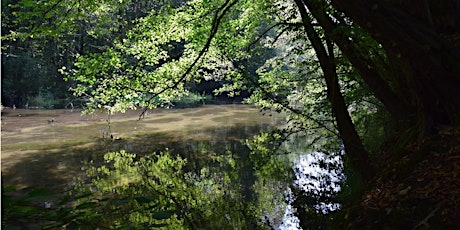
[(287, 26), (262, 35)]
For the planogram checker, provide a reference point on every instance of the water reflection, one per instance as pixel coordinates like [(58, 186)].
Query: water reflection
[(318, 179), (208, 138), (205, 184), (218, 172), (36, 154)]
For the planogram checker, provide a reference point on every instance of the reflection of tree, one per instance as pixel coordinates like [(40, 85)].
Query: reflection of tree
[(314, 193), (214, 169), (204, 190)]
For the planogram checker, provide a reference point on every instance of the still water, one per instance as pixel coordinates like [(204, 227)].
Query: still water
[(48, 148)]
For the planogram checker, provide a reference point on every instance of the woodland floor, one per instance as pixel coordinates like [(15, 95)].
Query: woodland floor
[(417, 189)]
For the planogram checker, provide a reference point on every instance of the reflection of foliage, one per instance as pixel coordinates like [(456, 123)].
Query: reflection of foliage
[(39, 209), (271, 168), (264, 148), (19, 210), (318, 176), (156, 190), (315, 192), (215, 170)]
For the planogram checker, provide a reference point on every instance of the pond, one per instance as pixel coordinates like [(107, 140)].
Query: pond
[(53, 149), (47, 148)]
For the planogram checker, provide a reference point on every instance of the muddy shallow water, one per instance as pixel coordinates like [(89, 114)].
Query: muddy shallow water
[(47, 148)]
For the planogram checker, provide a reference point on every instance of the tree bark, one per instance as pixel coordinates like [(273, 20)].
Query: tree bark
[(367, 69), (357, 155), (430, 64)]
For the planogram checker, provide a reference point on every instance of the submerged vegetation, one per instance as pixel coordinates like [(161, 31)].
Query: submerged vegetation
[(373, 83)]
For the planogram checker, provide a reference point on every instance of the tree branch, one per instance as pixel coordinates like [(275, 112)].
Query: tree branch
[(358, 156), (220, 13)]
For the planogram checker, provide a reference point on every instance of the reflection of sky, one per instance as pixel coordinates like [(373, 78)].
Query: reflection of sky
[(311, 177), (290, 222)]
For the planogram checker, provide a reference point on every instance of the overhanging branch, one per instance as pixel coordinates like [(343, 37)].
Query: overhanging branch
[(220, 13)]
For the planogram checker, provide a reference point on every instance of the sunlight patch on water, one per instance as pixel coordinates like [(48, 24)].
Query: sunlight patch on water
[(290, 221), (315, 173)]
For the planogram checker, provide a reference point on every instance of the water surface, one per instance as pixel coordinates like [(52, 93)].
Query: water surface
[(47, 148)]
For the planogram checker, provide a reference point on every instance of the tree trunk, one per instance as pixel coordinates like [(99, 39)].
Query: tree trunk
[(367, 68), (430, 64), (357, 155)]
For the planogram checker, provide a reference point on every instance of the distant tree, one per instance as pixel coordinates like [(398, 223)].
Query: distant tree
[(40, 38)]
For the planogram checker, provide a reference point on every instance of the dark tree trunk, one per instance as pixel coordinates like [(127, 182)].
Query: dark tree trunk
[(430, 65), (357, 155), (355, 51)]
